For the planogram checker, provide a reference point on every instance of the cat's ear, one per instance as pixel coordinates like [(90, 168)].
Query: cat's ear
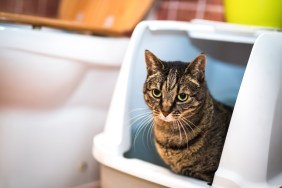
[(153, 63), (197, 68)]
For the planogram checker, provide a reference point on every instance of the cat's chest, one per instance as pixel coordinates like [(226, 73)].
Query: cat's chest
[(178, 137)]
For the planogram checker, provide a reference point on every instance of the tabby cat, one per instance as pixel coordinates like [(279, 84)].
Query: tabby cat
[(189, 125)]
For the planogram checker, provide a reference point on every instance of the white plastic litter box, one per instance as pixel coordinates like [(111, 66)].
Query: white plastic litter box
[(252, 155), (55, 90)]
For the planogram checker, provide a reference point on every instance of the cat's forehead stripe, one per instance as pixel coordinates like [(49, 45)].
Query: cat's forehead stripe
[(171, 79)]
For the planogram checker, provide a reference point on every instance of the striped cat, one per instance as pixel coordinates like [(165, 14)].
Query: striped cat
[(189, 125)]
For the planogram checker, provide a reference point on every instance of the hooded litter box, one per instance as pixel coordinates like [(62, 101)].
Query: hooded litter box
[(252, 155)]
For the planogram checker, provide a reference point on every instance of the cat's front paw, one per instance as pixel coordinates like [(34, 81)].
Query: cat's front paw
[(199, 175)]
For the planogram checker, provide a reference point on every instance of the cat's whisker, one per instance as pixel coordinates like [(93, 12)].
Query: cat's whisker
[(147, 123), (190, 122), (139, 120), (136, 135), (144, 122), (186, 136), (179, 130), (150, 133), (138, 131), (139, 117), (149, 126)]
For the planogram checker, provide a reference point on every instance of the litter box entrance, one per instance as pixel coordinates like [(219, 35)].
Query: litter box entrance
[(226, 63)]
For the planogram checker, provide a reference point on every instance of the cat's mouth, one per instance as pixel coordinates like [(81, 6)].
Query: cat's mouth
[(168, 118)]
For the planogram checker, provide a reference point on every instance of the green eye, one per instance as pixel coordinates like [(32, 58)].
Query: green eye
[(156, 93), (182, 97)]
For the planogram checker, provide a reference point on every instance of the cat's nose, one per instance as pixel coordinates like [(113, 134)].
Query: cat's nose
[(165, 113)]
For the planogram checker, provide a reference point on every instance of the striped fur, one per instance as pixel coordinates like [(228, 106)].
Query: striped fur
[(189, 135)]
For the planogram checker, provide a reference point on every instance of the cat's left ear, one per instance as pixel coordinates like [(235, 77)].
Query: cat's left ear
[(197, 68)]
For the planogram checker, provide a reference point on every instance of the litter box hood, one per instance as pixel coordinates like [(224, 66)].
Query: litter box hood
[(228, 51)]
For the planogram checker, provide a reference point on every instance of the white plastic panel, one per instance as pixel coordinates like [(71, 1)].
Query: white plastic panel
[(55, 90), (252, 153)]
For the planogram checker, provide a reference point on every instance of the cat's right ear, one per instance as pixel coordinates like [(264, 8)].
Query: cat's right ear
[(153, 63)]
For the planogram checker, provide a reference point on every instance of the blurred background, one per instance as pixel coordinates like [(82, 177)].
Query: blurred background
[(183, 10), (45, 8), (122, 16)]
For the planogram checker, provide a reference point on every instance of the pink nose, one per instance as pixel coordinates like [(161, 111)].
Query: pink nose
[(166, 113)]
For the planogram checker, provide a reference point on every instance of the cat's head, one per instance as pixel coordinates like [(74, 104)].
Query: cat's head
[(174, 90)]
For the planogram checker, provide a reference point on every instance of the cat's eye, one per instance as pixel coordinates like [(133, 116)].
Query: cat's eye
[(182, 97), (156, 93)]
